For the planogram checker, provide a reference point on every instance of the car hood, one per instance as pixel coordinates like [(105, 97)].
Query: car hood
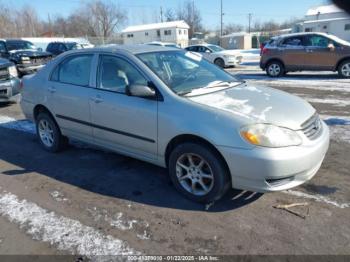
[(30, 53), (5, 63), (260, 105)]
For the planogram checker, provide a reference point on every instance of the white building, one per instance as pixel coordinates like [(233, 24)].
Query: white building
[(328, 19), (172, 32)]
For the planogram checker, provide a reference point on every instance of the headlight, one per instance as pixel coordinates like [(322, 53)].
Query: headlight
[(25, 59), (270, 136), (13, 71)]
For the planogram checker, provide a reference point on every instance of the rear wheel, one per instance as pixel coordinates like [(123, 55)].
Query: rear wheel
[(198, 173), (49, 134), (275, 69), (219, 62), (344, 69)]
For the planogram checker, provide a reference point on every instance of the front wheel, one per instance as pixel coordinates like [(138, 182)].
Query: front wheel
[(219, 62), (344, 69), (198, 173), (275, 69), (49, 133)]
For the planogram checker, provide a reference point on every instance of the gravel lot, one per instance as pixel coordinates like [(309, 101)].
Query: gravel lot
[(92, 202)]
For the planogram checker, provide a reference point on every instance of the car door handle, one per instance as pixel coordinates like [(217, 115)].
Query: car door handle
[(97, 99), (52, 89)]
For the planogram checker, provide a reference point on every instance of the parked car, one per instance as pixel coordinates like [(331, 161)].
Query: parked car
[(57, 48), (163, 44), (177, 110), (306, 51), (24, 54), (217, 55), (9, 82)]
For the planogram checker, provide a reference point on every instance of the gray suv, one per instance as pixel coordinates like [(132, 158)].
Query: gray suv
[(306, 51)]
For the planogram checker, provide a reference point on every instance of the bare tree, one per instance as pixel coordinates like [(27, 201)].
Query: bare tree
[(191, 15), (232, 28), (169, 15), (105, 17)]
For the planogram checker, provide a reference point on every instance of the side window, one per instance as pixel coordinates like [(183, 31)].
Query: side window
[(74, 70), (202, 49), (62, 48), (2, 47), (318, 41), (116, 73), (293, 42), (192, 48)]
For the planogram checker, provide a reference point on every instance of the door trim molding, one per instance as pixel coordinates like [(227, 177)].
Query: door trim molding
[(106, 128)]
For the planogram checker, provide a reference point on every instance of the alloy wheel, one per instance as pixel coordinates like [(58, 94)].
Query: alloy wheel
[(274, 69), (346, 70), (46, 132), (194, 174)]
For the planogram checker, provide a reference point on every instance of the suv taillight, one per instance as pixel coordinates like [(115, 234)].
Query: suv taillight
[(265, 50)]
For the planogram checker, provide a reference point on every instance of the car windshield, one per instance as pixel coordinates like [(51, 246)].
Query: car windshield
[(187, 72), (216, 48), (20, 45), (73, 46)]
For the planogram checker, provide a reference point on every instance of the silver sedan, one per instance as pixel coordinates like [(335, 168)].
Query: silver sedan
[(174, 109)]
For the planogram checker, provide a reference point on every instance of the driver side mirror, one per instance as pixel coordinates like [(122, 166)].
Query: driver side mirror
[(207, 51), (140, 91), (331, 47)]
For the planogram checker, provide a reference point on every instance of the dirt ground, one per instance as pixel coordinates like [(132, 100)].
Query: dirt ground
[(91, 199)]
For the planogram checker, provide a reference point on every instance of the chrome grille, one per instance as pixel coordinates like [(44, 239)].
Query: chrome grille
[(312, 127), (4, 74), (39, 60)]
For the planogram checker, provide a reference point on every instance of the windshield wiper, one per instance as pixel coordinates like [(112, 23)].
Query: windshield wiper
[(183, 93)]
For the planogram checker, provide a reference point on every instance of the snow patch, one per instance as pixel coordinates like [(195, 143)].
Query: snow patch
[(317, 198), (19, 125), (64, 233), (58, 196)]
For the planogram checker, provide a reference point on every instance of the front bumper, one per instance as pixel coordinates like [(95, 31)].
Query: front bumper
[(28, 68), (275, 169), (9, 90), (233, 61)]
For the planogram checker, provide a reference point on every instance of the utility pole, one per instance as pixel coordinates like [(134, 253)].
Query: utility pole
[(250, 16), (221, 20), (161, 14)]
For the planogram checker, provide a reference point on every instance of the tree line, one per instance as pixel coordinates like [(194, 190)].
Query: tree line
[(104, 18)]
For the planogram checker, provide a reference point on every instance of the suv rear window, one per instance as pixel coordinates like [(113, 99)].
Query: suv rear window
[(293, 41)]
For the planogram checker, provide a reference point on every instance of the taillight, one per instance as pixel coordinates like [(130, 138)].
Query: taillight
[(265, 50)]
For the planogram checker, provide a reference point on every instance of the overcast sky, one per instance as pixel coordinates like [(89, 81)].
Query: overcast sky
[(146, 11)]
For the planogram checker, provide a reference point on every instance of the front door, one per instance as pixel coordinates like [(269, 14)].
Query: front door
[(318, 54), (124, 123), (69, 92)]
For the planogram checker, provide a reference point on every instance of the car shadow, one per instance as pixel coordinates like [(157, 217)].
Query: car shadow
[(105, 173)]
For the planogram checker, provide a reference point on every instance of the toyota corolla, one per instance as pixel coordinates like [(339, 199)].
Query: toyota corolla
[(174, 109)]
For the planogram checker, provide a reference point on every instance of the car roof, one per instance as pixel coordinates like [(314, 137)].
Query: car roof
[(134, 49), (16, 40), (301, 34), (63, 42)]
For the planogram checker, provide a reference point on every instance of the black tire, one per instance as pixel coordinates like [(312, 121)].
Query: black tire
[(275, 69), (219, 62), (342, 71), (59, 142), (221, 179)]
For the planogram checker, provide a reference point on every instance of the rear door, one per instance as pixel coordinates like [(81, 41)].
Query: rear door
[(292, 52), (124, 123), (318, 54), (69, 91)]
